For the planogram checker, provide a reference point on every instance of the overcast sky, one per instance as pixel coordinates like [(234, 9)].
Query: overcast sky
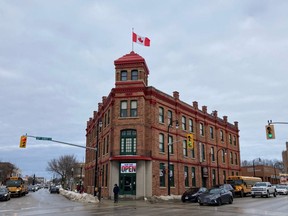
[(57, 61)]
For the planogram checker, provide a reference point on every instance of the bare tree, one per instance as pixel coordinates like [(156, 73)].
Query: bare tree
[(62, 166)]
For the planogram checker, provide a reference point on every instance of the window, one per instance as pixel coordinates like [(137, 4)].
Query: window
[(193, 177), (128, 142), (211, 129), (224, 175), (201, 129), (236, 159), (191, 125), (107, 144), (133, 108), (104, 146), (234, 140), (161, 143), (223, 155), (186, 177), (134, 75), (170, 144), (161, 115), (123, 75), (171, 175), (123, 109), (185, 150), (183, 123), (193, 152), (203, 152), (230, 139), (108, 117), (162, 175), (170, 117), (222, 135), (212, 154), (214, 176), (231, 157)]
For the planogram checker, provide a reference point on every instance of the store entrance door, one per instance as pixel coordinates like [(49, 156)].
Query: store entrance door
[(128, 184)]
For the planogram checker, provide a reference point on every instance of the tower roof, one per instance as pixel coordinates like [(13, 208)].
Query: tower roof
[(131, 59)]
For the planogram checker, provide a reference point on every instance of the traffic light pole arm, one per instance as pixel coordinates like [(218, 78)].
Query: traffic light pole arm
[(270, 122), (65, 143)]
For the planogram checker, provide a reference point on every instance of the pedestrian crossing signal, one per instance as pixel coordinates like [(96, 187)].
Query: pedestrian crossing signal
[(190, 141), (23, 141)]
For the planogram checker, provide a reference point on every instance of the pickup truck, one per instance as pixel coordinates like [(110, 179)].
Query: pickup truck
[(263, 189)]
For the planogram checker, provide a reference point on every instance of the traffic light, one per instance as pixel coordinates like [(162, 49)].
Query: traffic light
[(190, 141), (23, 141), (270, 133)]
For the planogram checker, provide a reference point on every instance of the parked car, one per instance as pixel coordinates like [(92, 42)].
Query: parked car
[(54, 189), (216, 196), (263, 189), (227, 187), (5, 194), (282, 189), (192, 194), (31, 188)]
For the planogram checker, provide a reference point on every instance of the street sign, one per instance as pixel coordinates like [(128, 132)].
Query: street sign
[(43, 138)]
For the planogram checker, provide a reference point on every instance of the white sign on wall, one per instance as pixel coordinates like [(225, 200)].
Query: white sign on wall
[(128, 167)]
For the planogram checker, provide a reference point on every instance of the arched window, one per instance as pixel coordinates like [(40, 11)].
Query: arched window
[(128, 142), (123, 75), (134, 75)]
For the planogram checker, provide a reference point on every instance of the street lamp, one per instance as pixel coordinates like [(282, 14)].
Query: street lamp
[(259, 160), (99, 125), (168, 159), (225, 152), (72, 179), (276, 164)]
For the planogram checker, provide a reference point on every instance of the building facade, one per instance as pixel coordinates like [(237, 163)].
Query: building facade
[(127, 139), (266, 173)]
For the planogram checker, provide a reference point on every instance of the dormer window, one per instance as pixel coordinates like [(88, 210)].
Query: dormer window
[(134, 75), (124, 75)]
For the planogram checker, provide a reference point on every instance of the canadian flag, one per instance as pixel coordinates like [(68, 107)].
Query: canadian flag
[(140, 40)]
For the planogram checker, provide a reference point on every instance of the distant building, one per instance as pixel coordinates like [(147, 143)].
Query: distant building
[(285, 158), (267, 173), (131, 130)]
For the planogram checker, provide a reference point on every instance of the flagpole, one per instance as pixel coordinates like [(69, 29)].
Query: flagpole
[(132, 40)]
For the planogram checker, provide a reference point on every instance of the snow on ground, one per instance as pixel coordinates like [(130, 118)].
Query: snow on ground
[(88, 198), (80, 197)]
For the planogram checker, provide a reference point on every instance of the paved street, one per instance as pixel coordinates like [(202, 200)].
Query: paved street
[(44, 203)]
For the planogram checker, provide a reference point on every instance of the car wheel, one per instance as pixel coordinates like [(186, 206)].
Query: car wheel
[(230, 200), (253, 196), (268, 194), (275, 194), (201, 204), (219, 202), (183, 199), (242, 193)]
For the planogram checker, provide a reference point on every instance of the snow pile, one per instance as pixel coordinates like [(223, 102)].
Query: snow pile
[(155, 199), (83, 197)]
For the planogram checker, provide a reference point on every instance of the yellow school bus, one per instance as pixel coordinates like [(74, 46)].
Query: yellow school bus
[(242, 184), (17, 186)]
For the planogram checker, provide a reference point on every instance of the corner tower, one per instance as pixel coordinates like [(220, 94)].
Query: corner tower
[(131, 69)]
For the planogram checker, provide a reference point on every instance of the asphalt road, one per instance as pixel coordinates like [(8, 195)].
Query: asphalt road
[(44, 203)]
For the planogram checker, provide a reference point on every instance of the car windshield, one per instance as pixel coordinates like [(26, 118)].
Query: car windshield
[(13, 183), (235, 182), (214, 191), (2, 190), (281, 186), (260, 184)]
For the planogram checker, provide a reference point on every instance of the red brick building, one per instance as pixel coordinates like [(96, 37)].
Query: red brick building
[(131, 130)]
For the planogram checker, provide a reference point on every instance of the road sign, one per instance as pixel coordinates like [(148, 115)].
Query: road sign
[(43, 138)]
